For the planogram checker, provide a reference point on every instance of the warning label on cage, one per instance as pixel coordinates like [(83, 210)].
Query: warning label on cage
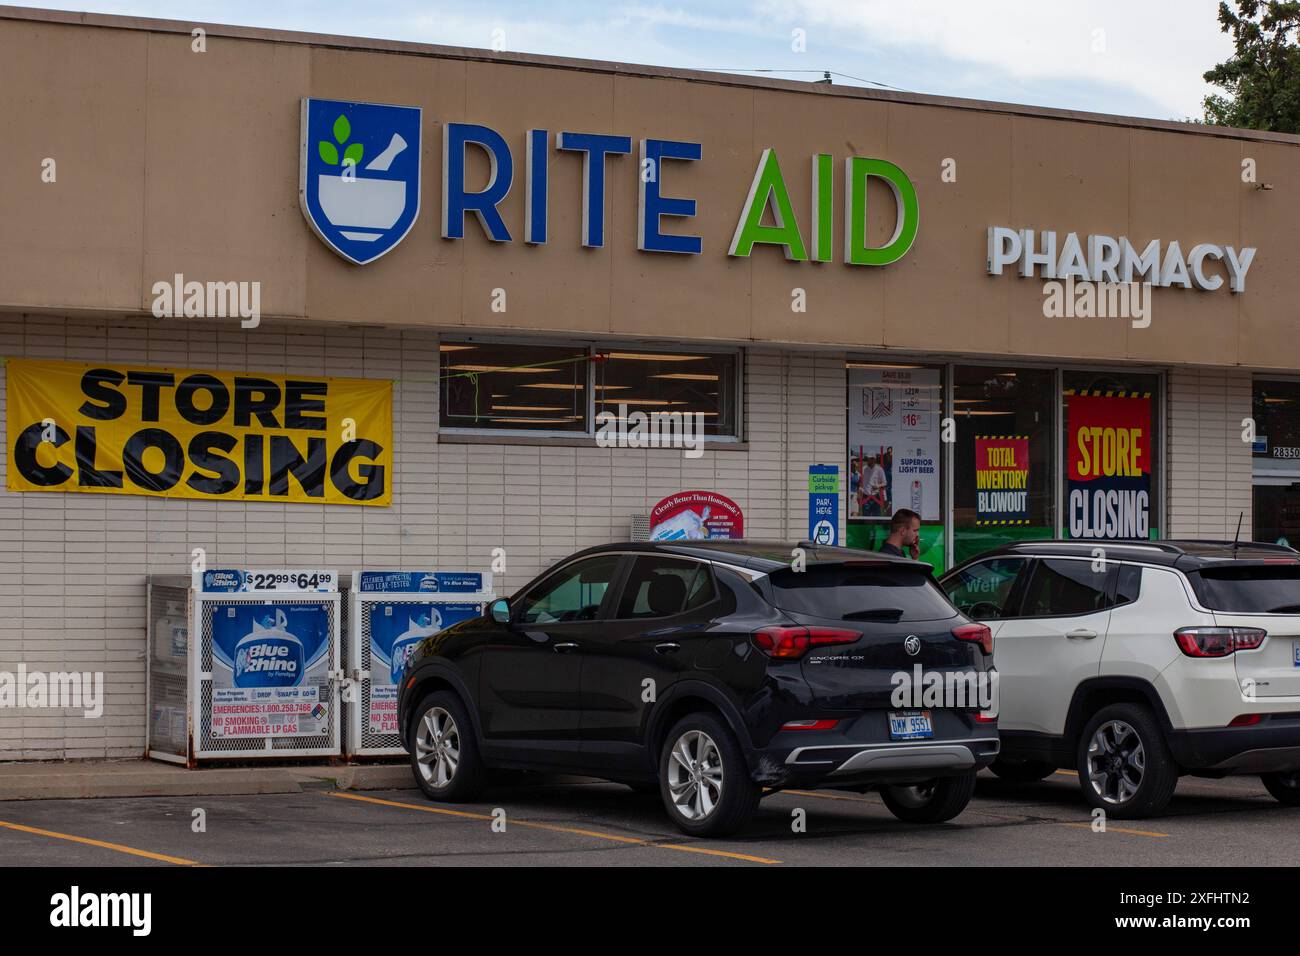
[(268, 712)]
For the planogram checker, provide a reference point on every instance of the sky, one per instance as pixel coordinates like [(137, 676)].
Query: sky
[(1129, 57)]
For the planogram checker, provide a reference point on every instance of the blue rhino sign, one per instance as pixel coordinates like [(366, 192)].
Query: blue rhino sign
[(359, 182)]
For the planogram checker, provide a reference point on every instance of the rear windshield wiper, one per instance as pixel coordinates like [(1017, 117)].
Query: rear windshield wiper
[(875, 614), (1285, 609)]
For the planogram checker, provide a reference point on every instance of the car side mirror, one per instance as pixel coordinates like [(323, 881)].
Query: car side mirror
[(500, 611)]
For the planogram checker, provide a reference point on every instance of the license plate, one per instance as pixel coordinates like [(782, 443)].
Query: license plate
[(910, 724), (1295, 652)]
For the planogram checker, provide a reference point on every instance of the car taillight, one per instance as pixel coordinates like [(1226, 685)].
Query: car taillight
[(809, 725), (976, 634), (788, 643), (1218, 641), (1245, 720), (985, 717)]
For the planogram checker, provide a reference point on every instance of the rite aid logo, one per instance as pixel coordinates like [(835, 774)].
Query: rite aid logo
[(912, 644), (360, 189), (359, 183)]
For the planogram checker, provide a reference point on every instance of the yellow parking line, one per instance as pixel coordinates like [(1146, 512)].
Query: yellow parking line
[(1111, 829), (557, 828), (162, 857), (829, 796), (394, 803), (706, 850), (1068, 773)]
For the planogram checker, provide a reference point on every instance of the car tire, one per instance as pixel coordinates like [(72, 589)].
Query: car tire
[(1022, 771), (1285, 787), (935, 801), (444, 753), (1136, 777), (704, 781)]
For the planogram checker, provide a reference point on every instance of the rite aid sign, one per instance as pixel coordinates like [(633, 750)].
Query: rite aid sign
[(359, 189)]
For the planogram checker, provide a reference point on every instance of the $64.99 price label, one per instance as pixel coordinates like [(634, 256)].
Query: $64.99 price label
[(290, 581)]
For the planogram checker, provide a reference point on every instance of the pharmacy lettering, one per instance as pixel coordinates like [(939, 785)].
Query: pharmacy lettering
[(181, 433)]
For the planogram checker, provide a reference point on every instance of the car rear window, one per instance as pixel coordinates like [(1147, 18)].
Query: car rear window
[(1249, 589), (857, 593)]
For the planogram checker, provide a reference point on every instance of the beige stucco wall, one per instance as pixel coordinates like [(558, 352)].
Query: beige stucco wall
[(174, 161)]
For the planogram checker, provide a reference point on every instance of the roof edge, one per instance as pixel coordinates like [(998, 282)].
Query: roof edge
[(409, 48)]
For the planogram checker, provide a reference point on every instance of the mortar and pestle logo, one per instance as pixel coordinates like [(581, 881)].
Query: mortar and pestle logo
[(362, 208)]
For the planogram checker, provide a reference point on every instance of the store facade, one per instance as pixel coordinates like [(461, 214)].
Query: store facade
[(214, 341)]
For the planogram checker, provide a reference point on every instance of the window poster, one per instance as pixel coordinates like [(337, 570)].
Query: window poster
[(894, 421)]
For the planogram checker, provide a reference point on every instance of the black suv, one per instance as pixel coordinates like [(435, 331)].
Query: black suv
[(710, 671)]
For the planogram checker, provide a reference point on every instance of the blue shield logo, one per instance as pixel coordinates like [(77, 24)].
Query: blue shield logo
[(359, 184)]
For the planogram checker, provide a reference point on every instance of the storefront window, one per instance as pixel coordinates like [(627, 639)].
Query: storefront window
[(672, 382), (1004, 457), (526, 387), (895, 416), (546, 387), (1112, 447), (1276, 462)]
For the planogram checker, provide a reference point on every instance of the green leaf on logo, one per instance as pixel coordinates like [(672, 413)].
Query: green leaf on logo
[(353, 154), (328, 152), (342, 129)]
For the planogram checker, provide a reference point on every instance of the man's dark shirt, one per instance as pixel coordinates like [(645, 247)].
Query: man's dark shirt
[(893, 549)]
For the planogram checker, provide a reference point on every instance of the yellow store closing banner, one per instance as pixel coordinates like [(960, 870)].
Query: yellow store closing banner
[(181, 433)]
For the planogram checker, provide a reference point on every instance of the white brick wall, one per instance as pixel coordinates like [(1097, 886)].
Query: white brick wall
[(1208, 465), (73, 566)]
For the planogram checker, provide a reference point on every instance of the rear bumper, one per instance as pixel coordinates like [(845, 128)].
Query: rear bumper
[(902, 757), (853, 765), (1267, 747)]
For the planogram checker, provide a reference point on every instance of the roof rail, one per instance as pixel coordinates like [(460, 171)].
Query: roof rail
[(1164, 546), (1258, 545)]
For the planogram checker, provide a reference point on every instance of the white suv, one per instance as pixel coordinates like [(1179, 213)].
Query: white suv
[(1142, 661)]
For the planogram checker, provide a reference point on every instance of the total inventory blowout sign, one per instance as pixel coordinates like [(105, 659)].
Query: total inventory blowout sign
[(181, 433), (1001, 480), (1109, 465)]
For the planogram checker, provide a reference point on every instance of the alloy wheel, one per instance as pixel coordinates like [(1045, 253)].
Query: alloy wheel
[(1116, 762), (695, 775), (437, 747)]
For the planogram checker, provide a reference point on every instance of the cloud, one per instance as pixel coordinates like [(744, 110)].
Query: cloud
[(1120, 56), (1158, 50)]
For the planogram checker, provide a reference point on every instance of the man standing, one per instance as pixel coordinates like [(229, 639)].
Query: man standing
[(904, 539)]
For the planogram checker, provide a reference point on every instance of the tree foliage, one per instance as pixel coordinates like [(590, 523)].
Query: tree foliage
[(1261, 80)]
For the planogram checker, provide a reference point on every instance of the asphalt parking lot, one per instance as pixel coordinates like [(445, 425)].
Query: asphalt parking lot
[(1210, 823)]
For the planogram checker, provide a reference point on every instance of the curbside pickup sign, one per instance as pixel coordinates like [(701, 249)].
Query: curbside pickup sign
[(824, 504), (182, 433)]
